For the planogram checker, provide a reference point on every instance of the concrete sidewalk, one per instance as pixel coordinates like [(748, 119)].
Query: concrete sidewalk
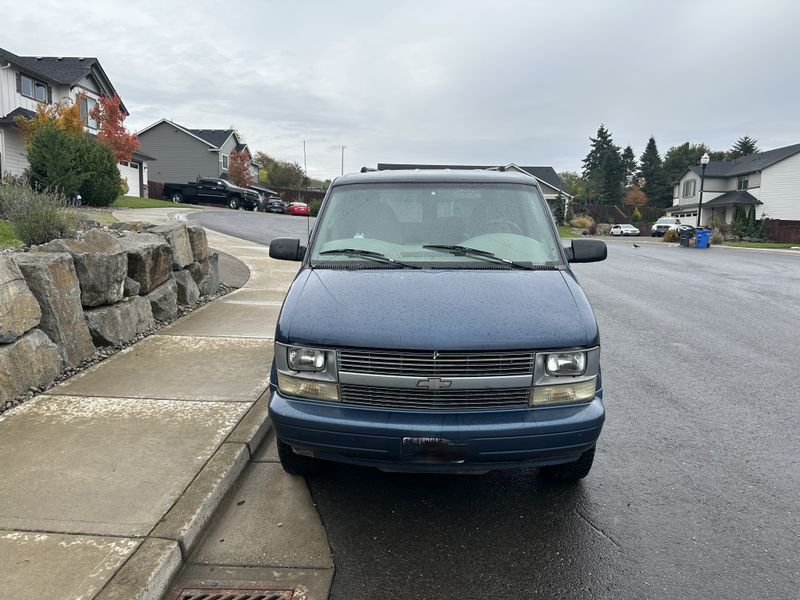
[(109, 478)]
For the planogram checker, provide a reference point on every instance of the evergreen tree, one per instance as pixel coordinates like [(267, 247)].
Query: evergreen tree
[(600, 146), (603, 171), (744, 146), (629, 166), (612, 172), (679, 158), (651, 170)]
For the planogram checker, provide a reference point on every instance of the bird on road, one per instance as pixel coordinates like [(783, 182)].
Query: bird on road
[(636, 245)]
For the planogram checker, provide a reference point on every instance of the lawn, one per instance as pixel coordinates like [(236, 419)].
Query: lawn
[(136, 202), (766, 245), (7, 237), (565, 232)]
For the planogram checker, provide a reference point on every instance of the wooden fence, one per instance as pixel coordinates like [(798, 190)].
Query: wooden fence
[(155, 189), (782, 231)]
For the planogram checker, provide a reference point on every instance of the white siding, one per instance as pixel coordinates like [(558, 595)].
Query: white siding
[(780, 190), (15, 157), (9, 97)]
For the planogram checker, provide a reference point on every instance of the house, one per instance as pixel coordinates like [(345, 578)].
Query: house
[(768, 181), (27, 81), (184, 154), (549, 181)]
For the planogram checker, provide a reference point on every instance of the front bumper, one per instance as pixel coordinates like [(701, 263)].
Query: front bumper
[(428, 440)]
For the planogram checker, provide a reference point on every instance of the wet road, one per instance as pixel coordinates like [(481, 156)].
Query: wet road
[(696, 484)]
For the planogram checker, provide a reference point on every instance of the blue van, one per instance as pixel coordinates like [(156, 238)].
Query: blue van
[(435, 326)]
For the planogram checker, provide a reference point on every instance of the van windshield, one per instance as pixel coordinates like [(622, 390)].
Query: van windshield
[(398, 221)]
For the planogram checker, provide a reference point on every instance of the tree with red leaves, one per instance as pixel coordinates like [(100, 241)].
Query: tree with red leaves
[(239, 169), (110, 117)]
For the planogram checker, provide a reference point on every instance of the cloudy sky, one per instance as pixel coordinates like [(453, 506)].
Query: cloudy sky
[(438, 81)]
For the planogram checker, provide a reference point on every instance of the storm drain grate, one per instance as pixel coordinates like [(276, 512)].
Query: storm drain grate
[(234, 594)]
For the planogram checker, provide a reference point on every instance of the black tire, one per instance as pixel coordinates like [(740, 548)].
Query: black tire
[(294, 464), (234, 203), (572, 471), (177, 198)]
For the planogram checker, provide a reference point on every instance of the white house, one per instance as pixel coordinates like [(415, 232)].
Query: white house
[(27, 81), (769, 180)]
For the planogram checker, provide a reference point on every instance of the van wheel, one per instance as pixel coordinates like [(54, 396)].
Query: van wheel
[(233, 203), (294, 464), (177, 197), (571, 471)]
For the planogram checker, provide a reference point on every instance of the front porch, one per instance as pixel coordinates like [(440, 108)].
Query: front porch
[(721, 210)]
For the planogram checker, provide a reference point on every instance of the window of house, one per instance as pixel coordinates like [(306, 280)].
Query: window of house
[(31, 88), (742, 182), (87, 104), (224, 161), (688, 188)]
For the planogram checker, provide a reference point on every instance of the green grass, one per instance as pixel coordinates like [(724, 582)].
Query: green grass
[(136, 202), (7, 237), (564, 232), (769, 245)]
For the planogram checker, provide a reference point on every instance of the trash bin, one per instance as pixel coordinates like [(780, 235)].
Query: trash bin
[(703, 238), (685, 236)]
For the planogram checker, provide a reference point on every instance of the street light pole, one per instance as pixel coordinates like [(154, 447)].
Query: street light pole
[(343, 147), (703, 162)]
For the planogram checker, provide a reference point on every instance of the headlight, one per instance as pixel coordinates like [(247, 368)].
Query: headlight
[(565, 393), (566, 363), (305, 359), (308, 388)]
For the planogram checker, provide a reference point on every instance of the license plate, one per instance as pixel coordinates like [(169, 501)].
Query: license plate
[(433, 448)]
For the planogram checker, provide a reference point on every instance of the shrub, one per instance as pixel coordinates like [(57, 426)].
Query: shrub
[(592, 229), (54, 160), (101, 185), (124, 188), (671, 235), (313, 207), (637, 215), (582, 222), (36, 216), (717, 237)]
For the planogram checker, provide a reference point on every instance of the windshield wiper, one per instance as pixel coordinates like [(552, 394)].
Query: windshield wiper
[(369, 254), (485, 254)]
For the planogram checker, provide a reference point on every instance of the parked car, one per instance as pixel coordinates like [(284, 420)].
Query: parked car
[(661, 226), (214, 191), (435, 325), (274, 205), (624, 229), (298, 208)]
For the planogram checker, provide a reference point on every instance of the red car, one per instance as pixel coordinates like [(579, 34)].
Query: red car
[(298, 208)]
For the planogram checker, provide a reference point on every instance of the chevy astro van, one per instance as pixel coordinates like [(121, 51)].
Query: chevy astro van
[(435, 325)]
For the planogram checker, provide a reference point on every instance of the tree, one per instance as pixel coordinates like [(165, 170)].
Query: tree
[(679, 158), (573, 184), (612, 176), (239, 169), (110, 118), (744, 146), (557, 208), (603, 170), (97, 162), (635, 197), (629, 166), (285, 174), (53, 159), (62, 115), (651, 170), (600, 147)]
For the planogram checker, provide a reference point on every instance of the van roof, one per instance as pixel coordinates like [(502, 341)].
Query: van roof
[(435, 176)]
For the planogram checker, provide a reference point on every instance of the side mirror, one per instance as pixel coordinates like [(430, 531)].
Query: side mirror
[(286, 249), (583, 251)]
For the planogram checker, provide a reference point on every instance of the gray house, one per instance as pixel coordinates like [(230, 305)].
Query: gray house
[(184, 154)]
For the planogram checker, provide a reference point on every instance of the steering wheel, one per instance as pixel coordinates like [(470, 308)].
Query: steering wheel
[(509, 225)]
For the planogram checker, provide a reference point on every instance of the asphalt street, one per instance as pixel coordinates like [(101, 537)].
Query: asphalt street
[(261, 228), (694, 492)]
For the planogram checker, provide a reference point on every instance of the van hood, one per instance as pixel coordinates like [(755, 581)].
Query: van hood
[(451, 310)]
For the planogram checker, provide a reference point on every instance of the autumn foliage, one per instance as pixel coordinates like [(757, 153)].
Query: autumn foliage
[(64, 115), (110, 117), (239, 169), (635, 197)]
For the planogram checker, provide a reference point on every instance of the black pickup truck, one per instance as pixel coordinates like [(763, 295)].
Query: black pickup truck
[(213, 191)]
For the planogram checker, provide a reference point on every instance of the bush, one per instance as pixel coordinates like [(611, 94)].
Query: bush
[(671, 235), (313, 207), (102, 184), (37, 217), (582, 222), (637, 215), (717, 237)]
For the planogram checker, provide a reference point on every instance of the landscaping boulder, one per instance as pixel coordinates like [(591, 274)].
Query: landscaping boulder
[(199, 271), (198, 241), (132, 287), (149, 260), (19, 310), (31, 361), (178, 237), (100, 262), (135, 226), (210, 285), (164, 300), (188, 292), (52, 279), (121, 322)]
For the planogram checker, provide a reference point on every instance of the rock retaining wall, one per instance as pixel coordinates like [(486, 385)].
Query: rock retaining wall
[(63, 300)]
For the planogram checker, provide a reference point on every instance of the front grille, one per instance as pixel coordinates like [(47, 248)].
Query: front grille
[(439, 364), (411, 398)]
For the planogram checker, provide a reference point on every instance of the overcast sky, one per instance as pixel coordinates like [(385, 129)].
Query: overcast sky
[(446, 81)]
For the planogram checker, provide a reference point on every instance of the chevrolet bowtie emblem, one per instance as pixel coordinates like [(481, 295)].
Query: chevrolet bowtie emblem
[(434, 383)]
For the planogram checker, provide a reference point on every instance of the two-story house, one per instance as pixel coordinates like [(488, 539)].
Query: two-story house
[(768, 181), (184, 154), (26, 81)]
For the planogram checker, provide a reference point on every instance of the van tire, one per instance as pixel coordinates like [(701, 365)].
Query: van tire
[(571, 471), (293, 463)]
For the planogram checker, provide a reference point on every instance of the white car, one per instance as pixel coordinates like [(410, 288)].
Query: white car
[(624, 229)]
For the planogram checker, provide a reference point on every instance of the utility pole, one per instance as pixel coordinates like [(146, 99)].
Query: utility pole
[(343, 147)]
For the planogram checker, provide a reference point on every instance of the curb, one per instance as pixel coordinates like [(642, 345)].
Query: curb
[(147, 573)]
